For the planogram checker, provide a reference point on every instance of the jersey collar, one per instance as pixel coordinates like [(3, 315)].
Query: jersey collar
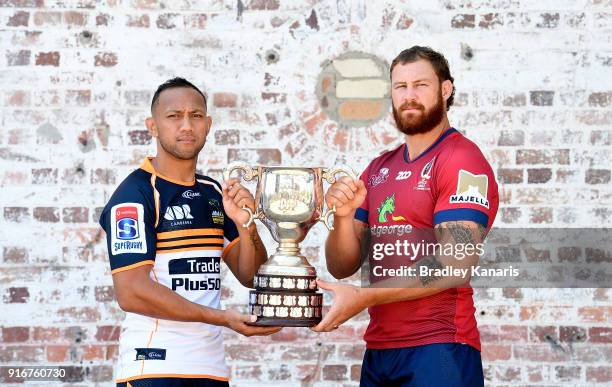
[(148, 166), (447, 133)]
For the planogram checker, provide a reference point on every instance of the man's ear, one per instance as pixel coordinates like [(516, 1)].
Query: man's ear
[(447, 89), (208, 124), (150, 123)]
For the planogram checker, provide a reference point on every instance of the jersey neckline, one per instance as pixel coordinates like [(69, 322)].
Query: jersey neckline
[(147, 165), (447, 133)]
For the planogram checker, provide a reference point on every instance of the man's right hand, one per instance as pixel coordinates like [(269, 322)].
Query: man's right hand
[(346, 194), (239, 323)]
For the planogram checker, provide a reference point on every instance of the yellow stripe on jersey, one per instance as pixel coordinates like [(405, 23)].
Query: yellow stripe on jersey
[(188, 249), (184, 242), (133, 266), (192, 232)]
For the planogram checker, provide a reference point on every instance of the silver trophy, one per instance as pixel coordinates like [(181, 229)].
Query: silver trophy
[(289, 201)]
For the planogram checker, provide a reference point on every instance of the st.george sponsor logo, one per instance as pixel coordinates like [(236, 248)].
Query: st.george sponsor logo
[(127, 229), (471, 189), (189, 194), (387, 207)]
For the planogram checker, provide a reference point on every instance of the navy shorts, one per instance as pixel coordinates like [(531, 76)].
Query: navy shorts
[(440, 365), (174, 382)]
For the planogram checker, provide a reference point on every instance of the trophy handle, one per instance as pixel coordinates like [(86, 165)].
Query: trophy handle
[(329, 175), (248, 174)]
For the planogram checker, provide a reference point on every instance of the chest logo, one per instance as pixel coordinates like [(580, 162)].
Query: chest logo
[(403, 175), (423, 184), (381, 177), (189, 194), (471, 189), (387, 207), (178, 212), (216, 212)]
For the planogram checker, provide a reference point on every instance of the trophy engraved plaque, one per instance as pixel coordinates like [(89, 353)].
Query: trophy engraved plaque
[(288, 201)]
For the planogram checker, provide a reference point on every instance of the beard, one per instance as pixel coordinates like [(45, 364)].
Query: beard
[(422, 122), (179, 152)]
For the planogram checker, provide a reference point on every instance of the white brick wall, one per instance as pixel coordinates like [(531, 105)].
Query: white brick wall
[(534, 90)]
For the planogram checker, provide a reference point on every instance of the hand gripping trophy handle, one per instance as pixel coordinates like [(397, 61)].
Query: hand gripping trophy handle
[(329, 175), (248, 175)]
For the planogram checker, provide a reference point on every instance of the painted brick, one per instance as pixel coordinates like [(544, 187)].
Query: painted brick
[(48, 58), (360, 110), (18, 19), (224, 100), (105, 59), (368, 88), (18, 58)]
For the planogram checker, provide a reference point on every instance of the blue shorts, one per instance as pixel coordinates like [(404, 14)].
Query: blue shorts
[(174, 382), (440, 365)]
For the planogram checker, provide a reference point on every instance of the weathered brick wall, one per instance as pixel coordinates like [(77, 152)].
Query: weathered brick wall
[(534, 91)]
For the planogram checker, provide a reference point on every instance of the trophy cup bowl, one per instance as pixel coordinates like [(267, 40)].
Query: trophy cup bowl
[(289, 201)]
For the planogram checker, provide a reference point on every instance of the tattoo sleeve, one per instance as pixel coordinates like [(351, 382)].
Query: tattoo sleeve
[(255, 240), (431, 263), (448, 232)]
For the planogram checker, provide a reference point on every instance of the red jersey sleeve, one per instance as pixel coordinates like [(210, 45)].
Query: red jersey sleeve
[(466, 188), (363, 211)]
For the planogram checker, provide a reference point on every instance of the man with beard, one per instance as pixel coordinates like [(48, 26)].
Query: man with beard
[(437, 184), (167, 230)]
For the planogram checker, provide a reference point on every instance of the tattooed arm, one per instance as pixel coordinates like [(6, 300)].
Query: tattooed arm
[(428, 278), (245, 257), (350, 300)]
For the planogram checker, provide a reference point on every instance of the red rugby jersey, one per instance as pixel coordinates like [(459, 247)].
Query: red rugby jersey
[(450, 181)]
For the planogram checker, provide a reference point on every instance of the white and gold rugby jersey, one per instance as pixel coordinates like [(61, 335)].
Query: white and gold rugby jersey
[(182, 230)]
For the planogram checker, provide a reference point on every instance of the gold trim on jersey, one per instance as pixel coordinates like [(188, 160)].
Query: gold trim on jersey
[(186, 376), (147, 165), (133, 266)]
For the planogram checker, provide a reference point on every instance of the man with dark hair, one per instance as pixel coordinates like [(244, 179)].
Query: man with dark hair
[(436, 188), (167, 230)]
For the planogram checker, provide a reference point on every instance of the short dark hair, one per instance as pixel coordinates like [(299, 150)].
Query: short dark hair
[(173, 83), (437, 60)]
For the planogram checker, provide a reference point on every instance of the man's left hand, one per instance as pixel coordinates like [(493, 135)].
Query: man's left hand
[(235, 197), (348, 302)]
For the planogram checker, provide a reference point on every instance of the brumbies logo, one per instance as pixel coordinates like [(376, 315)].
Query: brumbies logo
[(471, 189), (127, 229)]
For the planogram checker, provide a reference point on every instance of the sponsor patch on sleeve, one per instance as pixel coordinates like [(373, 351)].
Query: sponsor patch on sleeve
[(471, 189), (128, 229)]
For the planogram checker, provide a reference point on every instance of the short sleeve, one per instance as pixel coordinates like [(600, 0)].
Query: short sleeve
[(129, 222), (466, 188), (363, 211)]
